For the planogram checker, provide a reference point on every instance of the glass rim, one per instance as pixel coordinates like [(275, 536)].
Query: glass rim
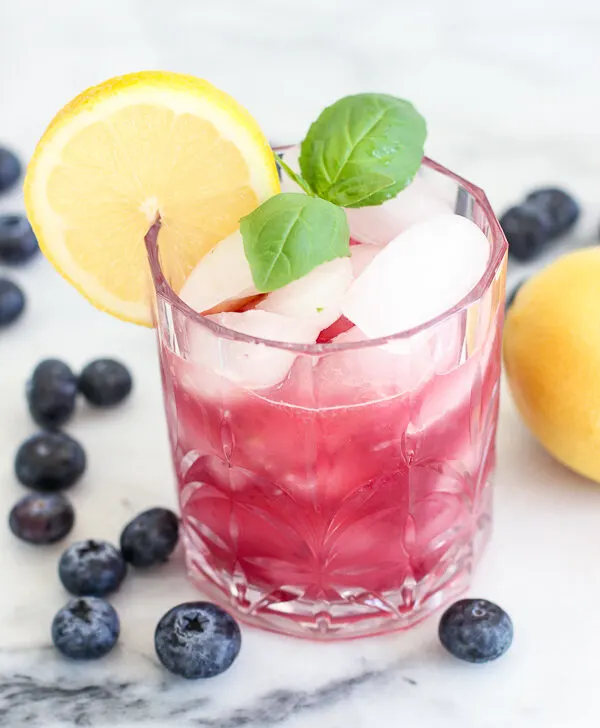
[(498, 249)]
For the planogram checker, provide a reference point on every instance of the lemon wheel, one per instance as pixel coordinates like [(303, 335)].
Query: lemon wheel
[(132, 148)]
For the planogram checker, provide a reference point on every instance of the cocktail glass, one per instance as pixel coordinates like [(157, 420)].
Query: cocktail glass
[(351, 495)]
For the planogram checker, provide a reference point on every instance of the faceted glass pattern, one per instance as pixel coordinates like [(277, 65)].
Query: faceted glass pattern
[(353, 497)]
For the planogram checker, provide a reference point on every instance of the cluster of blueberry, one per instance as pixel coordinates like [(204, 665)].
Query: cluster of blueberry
[(195, 639), (17, 242), (51, 461)]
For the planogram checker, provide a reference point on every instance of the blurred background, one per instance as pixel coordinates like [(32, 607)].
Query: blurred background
[(509, 89)]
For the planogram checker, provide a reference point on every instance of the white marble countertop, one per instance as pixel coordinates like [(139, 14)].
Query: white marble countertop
[(510, 93)]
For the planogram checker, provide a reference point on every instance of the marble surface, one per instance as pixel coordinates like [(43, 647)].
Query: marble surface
[(510, 93)]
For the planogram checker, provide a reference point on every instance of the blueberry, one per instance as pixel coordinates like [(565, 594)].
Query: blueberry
[(42, 519), (150, 537), (476, 630), (17, 240), (527, 230), (10, 169), (49, 461), (85, 628), (557, 205), (51, 393), (105, 382), (12, 302), (197, 640), (91, 568)]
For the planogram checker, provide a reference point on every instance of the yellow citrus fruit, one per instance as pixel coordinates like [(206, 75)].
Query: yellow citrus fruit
[(133, 147), (552, 358)]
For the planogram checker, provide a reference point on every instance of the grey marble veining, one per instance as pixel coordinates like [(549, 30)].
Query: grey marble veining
[(509, 90), (33, 699)]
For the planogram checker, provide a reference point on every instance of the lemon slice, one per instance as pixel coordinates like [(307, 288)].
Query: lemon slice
[(132, 148)]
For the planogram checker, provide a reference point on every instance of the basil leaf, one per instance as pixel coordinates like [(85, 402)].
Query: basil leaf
[(363, 149), (289, 235)]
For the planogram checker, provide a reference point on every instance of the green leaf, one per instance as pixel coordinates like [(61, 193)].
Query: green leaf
[(289, 235), (363, 149)]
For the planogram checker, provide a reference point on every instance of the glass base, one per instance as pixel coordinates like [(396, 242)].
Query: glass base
[(358, 614)]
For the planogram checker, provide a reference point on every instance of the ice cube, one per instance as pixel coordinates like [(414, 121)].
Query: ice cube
[(368, 373), (371, 373), (290, 157), (222, 275), (318, 294), (248, 364), (361, 256), (379, 224), (419, 275)]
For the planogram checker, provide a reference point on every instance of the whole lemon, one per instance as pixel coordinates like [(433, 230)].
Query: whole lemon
[(552, 358)]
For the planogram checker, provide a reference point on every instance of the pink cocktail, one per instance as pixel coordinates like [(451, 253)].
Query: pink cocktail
[(349, 493)]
